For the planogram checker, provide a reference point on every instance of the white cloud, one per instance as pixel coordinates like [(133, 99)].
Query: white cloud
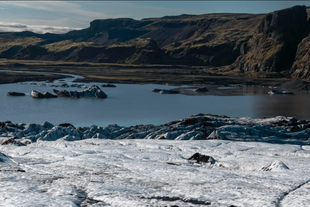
[(40, 29), (56, 6)]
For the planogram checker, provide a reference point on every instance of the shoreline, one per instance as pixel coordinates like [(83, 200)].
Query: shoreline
[(143, 74), (7, 77)]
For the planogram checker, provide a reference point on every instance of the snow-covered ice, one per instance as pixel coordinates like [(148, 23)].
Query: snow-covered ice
[(47, 165), (97, 172)]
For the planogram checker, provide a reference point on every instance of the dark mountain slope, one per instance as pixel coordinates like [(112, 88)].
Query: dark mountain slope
[(272, 42)]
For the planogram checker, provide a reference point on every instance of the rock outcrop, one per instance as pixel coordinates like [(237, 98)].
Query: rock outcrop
[(273, 46)]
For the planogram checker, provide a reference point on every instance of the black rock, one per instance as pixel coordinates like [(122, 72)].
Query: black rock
[(15, 94), (202, 158)]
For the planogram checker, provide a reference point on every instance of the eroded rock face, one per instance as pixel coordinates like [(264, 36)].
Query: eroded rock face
[(301, 66), (93, 92), (272, 48)]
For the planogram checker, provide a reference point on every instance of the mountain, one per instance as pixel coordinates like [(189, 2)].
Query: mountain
[(274, 42)]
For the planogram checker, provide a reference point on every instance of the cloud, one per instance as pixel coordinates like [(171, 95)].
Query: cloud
[(40, 29), (56, 6)]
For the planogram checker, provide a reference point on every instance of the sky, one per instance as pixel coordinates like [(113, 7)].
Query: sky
[(63, 16)]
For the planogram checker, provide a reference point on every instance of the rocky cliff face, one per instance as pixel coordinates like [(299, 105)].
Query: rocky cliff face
[(212, 39), (274, 44), (301, 66)]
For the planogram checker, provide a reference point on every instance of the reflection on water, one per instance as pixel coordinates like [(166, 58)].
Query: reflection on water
[(130, 104), (289, 105)]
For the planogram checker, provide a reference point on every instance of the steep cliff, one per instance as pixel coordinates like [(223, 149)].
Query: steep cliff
[(301, 66), (274, 44)]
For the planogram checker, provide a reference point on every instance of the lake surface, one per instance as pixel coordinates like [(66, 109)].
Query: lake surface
[(133, 104)]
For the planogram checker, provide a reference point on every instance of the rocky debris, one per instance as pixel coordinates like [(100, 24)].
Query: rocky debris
[(36, 94), (15, 94), (198, 127), (273, 47), (199, 158), (201, 90), (93, 92), (276, 166), (108, 85)]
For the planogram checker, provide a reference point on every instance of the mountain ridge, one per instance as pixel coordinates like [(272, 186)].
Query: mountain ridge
[(274, 42)]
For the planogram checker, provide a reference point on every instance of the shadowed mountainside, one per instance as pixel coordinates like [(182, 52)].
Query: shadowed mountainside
[(274, 42)]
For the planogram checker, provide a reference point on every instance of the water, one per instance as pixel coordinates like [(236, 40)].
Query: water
[(131, 104)]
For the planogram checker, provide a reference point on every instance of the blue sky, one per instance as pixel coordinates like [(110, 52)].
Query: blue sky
[(62, 16)]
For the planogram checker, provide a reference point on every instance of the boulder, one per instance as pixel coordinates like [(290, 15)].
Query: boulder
[(15, 94), (199, 158), (36, 94)]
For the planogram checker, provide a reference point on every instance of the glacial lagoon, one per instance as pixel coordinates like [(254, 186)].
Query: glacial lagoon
[(134, 104)]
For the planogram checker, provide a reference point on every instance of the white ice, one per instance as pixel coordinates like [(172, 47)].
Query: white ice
[(96, 172)]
